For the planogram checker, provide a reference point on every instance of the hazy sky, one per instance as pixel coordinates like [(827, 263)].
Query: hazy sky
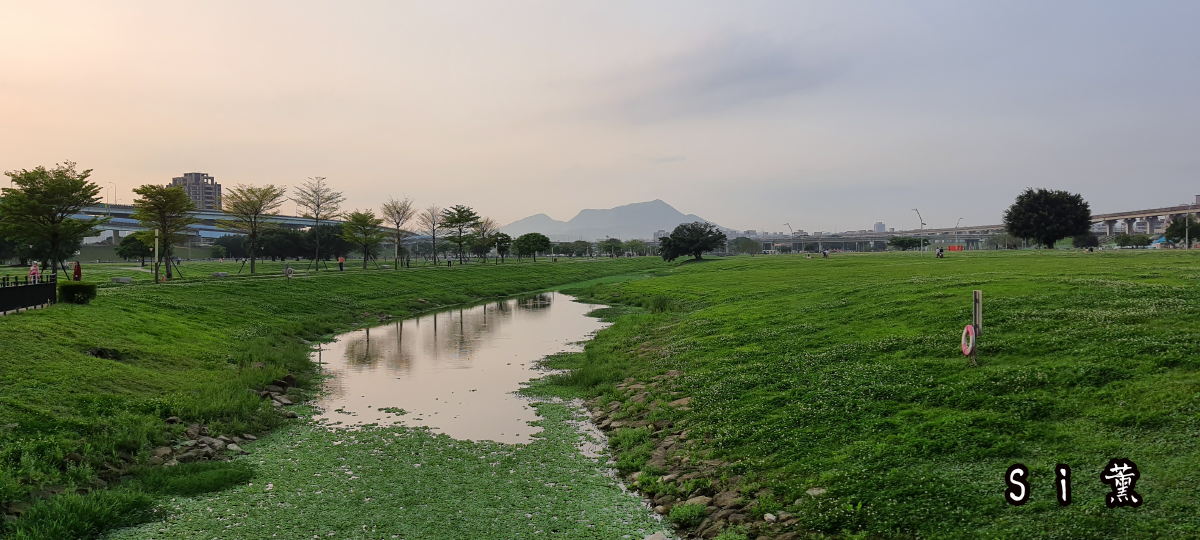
[(827, 115)]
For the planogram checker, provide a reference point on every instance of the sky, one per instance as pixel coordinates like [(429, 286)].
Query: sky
[(824, 115)]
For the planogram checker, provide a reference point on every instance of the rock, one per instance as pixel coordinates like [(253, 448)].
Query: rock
[(640, 398), (263, 394), (669, 478), (784, 516), (292, 414), (617, 424), (725, 499), (656, 536), (787, 536), (614, 405), (605, 424), (769, 518), (737, 519), (237, 440), (724, 514), (274, 389), (290, 379), (204, 430), (187, 457), (701, 500), (192, 432), (235, 449), (280, 384), (162, 451), (636, 387), (715, 530), (283, 400), (220, 274), (170, 463), (276, 403), (816, 492), (258, 365), (660, 509), (74, 457), (215, 444), (681, 402), (173, 420), (122, 280), (249, 437), (155, 460), (634, 477)]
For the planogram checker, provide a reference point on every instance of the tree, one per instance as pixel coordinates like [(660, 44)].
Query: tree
[(485, 229), (281, 243), (581, 248), (904, 243), (1177, 233), (1048, 216), (250, 210), (166, 210), (610, 246), (636, 246), (133, 247), (233, 245), (8, 250), (361, 228), (396, 214), (503, 243), (1003, 241), (531, 244), (746, 246), (1133, 240), (39, 209), (430, 222), (330, 236), (460, 223), (318, 202), (691, 239), (1086, 240), (217, 252)]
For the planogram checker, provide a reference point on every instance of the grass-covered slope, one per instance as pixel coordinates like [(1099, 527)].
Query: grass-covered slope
[(845, 374), (191, 349)]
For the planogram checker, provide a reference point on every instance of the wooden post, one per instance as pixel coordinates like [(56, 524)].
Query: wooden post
[(977, 322)]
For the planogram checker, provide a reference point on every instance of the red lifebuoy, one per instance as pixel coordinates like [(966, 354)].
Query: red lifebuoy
[(968, 340)]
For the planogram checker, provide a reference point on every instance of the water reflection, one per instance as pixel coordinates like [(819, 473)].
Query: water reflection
[(453, 371)]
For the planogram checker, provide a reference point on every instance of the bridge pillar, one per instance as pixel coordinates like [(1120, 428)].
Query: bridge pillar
[(116, 237), (1151, 223), (1129, 223), (1109, 225)]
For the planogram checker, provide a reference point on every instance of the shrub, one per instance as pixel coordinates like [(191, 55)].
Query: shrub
[(81, 516), (76, 292), (688, 515), (659, 304)]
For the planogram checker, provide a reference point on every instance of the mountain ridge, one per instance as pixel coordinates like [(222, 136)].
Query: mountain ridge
[(634, 220)]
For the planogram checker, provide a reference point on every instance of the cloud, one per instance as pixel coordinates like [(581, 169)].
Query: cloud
[(715, 77)]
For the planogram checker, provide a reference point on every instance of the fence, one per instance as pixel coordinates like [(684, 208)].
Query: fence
[(18, 293)]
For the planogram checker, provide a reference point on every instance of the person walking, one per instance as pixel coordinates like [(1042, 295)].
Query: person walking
[(77, 275), (341, 264)]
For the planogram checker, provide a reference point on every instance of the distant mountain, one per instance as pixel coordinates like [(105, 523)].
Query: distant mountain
[(637, 220)]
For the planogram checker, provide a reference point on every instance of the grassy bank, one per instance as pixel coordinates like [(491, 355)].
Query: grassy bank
[(71, 422), (832, 393)]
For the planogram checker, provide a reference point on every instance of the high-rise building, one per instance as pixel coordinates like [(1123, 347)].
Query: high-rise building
[(202, 188), (880, 227)]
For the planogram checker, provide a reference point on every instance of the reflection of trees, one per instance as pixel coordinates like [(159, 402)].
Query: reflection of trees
[(536, 302), (360, 353)]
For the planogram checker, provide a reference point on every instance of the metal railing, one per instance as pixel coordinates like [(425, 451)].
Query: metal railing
[(23, 292)]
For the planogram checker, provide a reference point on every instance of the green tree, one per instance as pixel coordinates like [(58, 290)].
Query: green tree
[(636, 246), (166, 210), (1133, 240), (397, 214), (459, 221), (250, 211), (217, 251), (330, 236), (904, 243), (1003, 241), (746, 246), (610, 246), (530, 244), (1086, 240), (318, 202), (691, 239), (38, 209), (1048, 216), (1177, 233), (503, 243), (430, 222), (483, 240), (133, 247), (581, 248), (363, 230), (233, 244), (281, 243)]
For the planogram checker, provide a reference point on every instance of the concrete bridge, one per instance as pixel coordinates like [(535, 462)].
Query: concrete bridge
[(122, 221)]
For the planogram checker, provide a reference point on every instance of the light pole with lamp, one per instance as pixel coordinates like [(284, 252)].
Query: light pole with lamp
[(922, 233), (791, 234)]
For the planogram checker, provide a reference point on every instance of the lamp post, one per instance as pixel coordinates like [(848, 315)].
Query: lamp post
[(791, 234), (921, 220), (956, 230), (1187, 239)]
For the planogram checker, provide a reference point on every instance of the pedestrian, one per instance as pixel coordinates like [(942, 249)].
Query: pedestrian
[(341, 264), (34, 273), (78, 274)]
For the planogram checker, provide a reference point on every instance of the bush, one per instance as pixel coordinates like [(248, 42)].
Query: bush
[(659, 304), (688, 515), (81, 516), (76, 292)]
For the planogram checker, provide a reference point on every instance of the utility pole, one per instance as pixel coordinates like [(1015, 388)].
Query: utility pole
[(956, 230), (1187, 239), (156, 261), (922, 233)]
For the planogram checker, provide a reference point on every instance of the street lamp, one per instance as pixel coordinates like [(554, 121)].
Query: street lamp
[(791, 234), (922, 233), (956, 230)]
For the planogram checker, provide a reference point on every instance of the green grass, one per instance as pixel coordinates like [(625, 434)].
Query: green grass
[(191, 348), (846, 374)]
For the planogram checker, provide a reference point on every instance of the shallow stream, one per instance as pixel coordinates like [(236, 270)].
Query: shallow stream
[(454, 371)]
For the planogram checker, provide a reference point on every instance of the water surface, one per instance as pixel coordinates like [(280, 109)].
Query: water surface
[(453, 371)]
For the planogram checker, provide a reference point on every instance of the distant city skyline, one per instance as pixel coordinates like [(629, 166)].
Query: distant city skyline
[(825, 115)]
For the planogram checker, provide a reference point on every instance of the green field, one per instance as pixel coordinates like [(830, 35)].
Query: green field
[(846, 375), (189, 348), (841, 374)]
